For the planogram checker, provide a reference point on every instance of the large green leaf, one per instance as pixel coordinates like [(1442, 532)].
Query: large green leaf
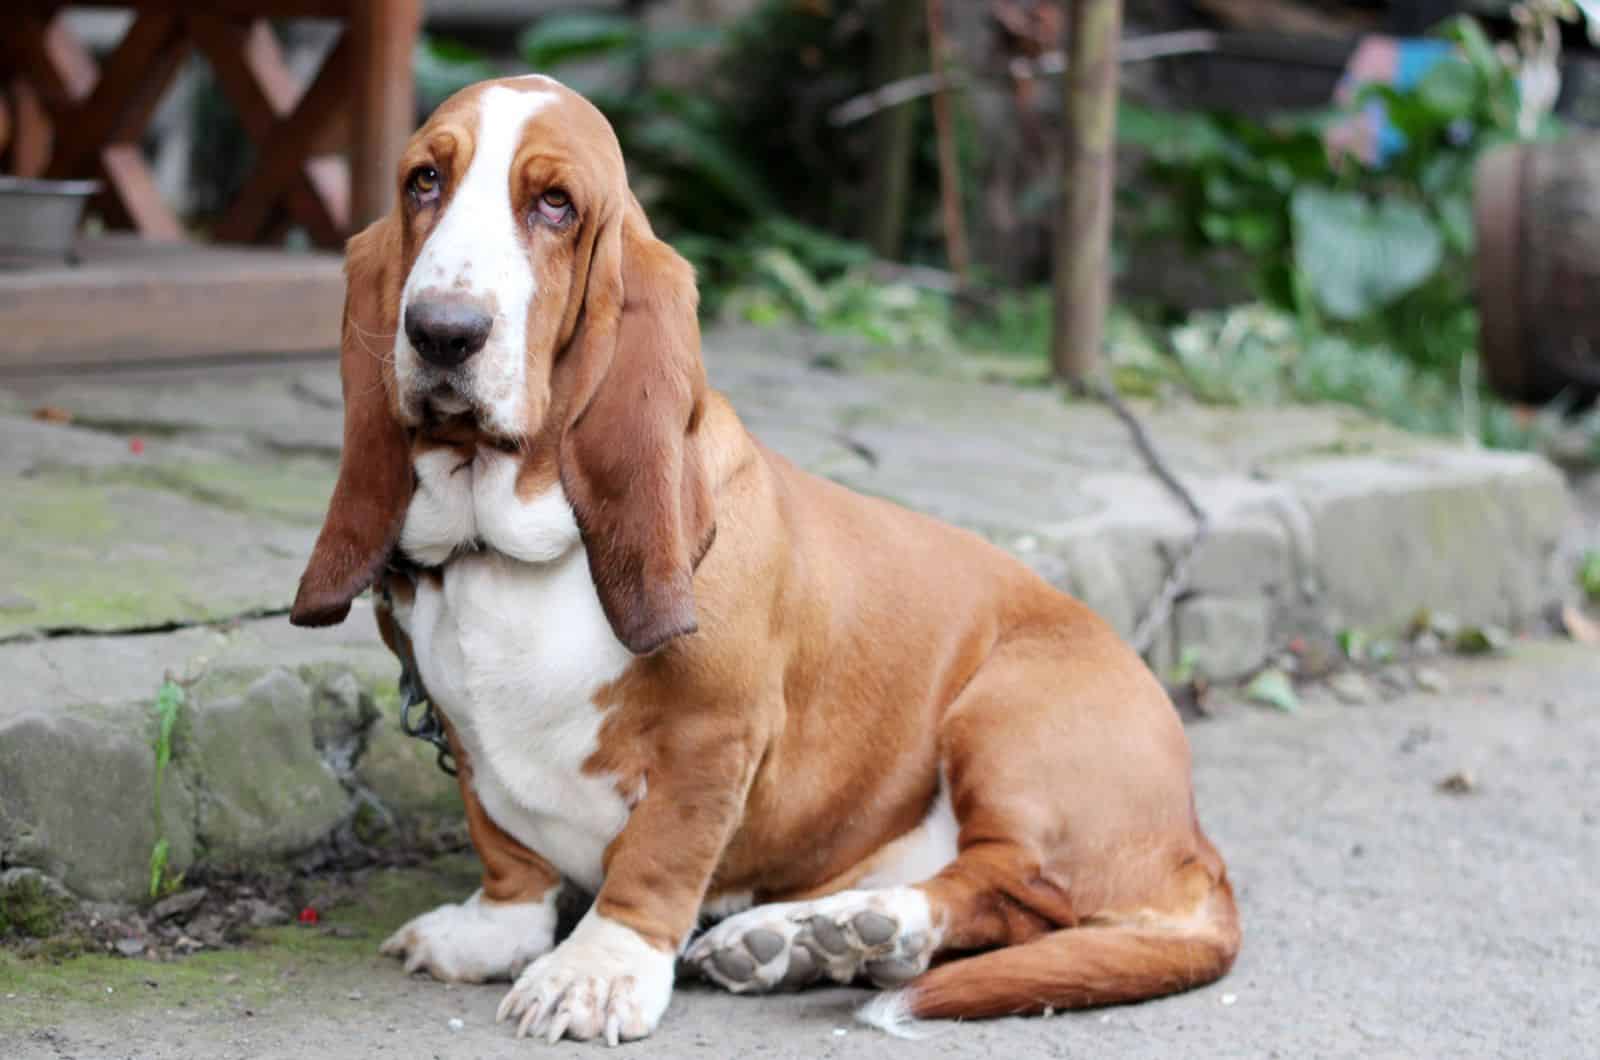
[(1450, 89), (1358, 255), (1476, 45), (1412, 116), (444, 67), (558, 39), (1171, 136)]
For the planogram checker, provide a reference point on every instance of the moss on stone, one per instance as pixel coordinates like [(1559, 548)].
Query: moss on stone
[(99, 556), (263, 788), (30, 909), (295, 489), (402, 773)]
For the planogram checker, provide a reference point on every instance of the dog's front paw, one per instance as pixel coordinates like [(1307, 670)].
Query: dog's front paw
[(604, 980), (477, 940)]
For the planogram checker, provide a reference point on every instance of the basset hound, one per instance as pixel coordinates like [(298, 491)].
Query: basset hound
[(683, 675)]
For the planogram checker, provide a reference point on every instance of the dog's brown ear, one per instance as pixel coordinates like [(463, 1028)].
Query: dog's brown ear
[(375, 480), (628, 461)]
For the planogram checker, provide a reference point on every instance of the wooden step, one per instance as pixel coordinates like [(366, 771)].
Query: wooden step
[(130, 300)]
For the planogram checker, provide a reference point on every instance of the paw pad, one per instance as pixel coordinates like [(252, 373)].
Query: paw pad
[(839, 938)]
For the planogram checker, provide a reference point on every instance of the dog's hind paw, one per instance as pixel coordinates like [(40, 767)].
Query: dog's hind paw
[(885, 935)]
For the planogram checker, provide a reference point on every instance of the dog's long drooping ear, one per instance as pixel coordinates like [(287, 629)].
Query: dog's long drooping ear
[(629, 464), (374, 487)]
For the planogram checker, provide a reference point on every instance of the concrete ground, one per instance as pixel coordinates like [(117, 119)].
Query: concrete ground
[(153, 526), (1384, 916)]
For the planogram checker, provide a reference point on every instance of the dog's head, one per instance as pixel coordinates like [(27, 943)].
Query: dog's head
[(516, 295)]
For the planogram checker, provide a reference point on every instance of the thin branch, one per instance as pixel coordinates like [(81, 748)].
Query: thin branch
[(1050, 64), (1159, 611)]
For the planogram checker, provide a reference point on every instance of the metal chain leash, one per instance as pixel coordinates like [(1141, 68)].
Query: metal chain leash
[(427, 727)]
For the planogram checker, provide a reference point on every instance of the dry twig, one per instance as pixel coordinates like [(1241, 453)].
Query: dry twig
[(1050, 64), (1159, 611)]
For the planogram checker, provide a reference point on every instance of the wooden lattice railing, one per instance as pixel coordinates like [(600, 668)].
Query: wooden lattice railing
[(325, 150)]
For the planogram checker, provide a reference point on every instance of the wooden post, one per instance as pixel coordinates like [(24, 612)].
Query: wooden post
[(1083, 228), (955, 222), (894, 57), (383, 34), (30, 130)]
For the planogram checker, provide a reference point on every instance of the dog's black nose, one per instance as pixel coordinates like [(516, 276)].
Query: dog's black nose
[(445, 331)]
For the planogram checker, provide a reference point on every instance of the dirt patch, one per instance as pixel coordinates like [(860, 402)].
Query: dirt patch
[(211, 910)]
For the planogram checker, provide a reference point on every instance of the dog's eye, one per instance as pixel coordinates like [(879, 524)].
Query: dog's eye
[(424, 184), (555, 206)]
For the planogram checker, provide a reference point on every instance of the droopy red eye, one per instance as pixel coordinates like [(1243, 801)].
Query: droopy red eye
[(555, 206), (424, 183)]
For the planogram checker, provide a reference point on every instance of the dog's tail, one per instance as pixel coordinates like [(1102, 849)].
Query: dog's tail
[(1079, 967)]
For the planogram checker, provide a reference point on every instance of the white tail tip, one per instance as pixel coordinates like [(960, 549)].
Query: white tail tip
[(890, 1012)]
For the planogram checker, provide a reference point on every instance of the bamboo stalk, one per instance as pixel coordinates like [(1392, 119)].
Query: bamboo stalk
[(1083, 230)]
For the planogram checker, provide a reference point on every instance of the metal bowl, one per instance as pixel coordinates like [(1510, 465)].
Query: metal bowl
[(39, 218)]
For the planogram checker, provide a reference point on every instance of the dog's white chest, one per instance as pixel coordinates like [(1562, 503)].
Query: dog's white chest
[(513, 651)]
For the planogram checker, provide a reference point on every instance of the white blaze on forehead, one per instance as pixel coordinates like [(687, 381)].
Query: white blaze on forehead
[(475, 252)]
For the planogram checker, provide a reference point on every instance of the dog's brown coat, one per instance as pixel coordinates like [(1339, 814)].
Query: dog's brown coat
[(809, 660)]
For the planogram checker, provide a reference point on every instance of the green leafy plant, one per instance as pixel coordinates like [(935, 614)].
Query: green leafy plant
[(1377, 254), (681, 150), (739, 168), (1589, 574), (1360, 255), (444, 67), (1353, 644), (781, 271), (1257, 354), (168, 705), (563, 38)]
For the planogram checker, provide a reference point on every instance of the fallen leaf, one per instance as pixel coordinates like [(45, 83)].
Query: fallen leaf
[(1589, 574), (1273, 688), (1481, 640), (1353, 642), (1351, 688), (1579, 626), (1320, 658), (1431, 680)]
